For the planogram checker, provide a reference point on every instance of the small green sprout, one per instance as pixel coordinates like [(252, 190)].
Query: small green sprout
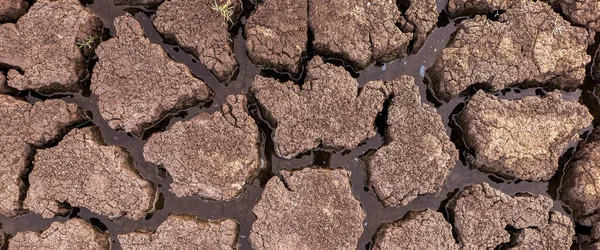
[(86, 43), (225, 10)]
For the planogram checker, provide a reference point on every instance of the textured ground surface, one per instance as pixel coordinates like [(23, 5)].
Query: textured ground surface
[(529, 45), (328, 110), (307, 209), (42, 44), (184, 232), (418, 155), (82, 171), (212, 156), (137, 83), (28, 127), (72, 234), (178, 21), (523, 138), (309, 124)]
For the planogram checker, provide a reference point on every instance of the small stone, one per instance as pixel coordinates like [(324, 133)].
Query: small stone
[(418, 154), (72, 234), (418, 230), (137, 83), (43, 46), (327, 111), (276, 34), (23, 128), (523, 138), (359, 31), (213, 156), (184, 232), (582, 12), (558, 234), (581, 182), (179, 21), (11, 10), (481, 215), (82, 171), (529, 45), (308, 209)]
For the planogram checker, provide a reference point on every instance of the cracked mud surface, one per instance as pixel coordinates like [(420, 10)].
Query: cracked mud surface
[(523, 138), (72, 234), (529, 45), (212, 156), (203, 163), (185, 232)]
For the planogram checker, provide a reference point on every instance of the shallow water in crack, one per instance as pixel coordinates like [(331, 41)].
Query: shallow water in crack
[(240, 208)]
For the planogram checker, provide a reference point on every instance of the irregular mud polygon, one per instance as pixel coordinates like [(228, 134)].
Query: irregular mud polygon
[(523, 138), (72, 234), (179, 21), (137, 83), (307, 209), (482, 214), (417, 230), (184, 232), (418, 154), (327, 111), (41, 48), (212, 156), (358, 31), (530, 45), (83, 171), (22, 128), (277, 33)]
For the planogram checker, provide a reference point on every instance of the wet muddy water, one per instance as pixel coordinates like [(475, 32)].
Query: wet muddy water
[(240, 208)]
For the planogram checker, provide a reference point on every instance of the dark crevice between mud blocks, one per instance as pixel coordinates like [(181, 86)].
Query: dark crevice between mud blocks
[(266, 140)]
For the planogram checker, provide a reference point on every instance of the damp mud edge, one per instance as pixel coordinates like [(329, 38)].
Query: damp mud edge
[(312, 124)]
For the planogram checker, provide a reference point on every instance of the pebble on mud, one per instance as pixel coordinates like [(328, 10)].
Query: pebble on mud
[(418, 155), (482, 214), (137, 83), (179, 21), (327, 111), (11, 10), (581, 12), (310, 208), (522, 138), (359, 31), (530, 45), (417, 230), (82, 171), (184, 232), (212, 156), (580, 185), (24, 127), (72, 234), (276, 34), (43, 46)]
